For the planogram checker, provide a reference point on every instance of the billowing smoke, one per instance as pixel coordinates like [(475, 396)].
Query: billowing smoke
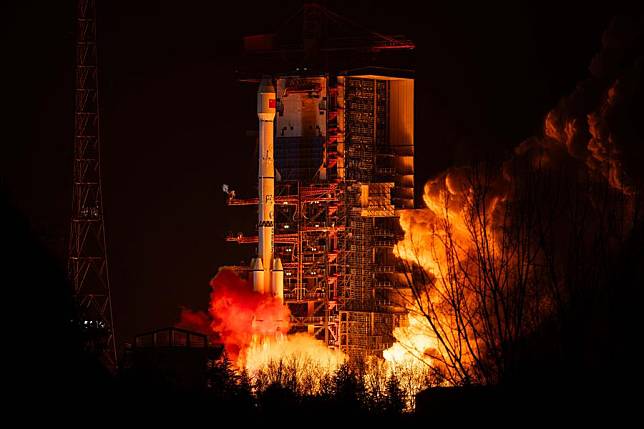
[(597, 122), (253, 329), (238, 315), (198, 321), (505, 247)]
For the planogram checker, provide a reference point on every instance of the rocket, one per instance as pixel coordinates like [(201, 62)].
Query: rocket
[(267, 271)]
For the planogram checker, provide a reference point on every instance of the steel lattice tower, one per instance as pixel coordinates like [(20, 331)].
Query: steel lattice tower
[(87, 263)]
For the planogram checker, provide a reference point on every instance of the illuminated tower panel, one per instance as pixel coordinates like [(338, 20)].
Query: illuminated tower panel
[(300, 127)]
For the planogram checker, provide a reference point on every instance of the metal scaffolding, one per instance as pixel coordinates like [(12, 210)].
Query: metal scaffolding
[(344, 166), (335, 209)]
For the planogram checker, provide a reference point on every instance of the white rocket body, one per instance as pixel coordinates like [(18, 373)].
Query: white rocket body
[(277, 279), (268, 274)]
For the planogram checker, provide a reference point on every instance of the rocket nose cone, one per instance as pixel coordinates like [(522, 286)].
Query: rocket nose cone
[(256, 264), (266, 85)]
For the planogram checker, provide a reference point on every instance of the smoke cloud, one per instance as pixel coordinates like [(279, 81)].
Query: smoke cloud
[(237, 314), (551, 187)]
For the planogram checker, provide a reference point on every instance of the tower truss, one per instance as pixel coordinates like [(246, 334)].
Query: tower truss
[(87, 257)]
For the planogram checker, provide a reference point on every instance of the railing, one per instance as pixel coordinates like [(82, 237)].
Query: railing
[(383, 284), (384, 243), (383, 233)]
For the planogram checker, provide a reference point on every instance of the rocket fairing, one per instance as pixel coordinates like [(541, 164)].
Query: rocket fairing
[(268, 274)]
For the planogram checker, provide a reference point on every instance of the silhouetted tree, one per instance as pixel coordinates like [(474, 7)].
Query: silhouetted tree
[(244, 391), (395, 400), (277, 401), (223, 381), (513, 266), (327, 387), (349, 388)]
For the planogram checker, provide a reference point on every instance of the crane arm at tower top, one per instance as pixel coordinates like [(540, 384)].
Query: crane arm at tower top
[(341, 34)]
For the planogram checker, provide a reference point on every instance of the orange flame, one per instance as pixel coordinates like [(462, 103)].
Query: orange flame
[(253, 327), (299, 348), (431, 236), (240, 314), (442, 238)]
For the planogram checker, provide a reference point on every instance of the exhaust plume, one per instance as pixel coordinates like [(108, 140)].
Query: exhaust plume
[(494, 244), (253, 327)]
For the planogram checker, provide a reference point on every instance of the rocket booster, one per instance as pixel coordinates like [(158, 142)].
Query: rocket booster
[(268, 274)]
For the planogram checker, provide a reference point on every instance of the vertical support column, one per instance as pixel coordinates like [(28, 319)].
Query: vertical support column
[(300, 236)]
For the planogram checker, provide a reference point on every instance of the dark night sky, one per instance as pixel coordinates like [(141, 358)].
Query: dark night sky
[(174, 119)]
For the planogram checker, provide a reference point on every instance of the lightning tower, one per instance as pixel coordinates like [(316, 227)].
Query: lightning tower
[(87, 258)]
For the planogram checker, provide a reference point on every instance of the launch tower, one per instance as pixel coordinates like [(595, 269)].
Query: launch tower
[(343, 155)]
